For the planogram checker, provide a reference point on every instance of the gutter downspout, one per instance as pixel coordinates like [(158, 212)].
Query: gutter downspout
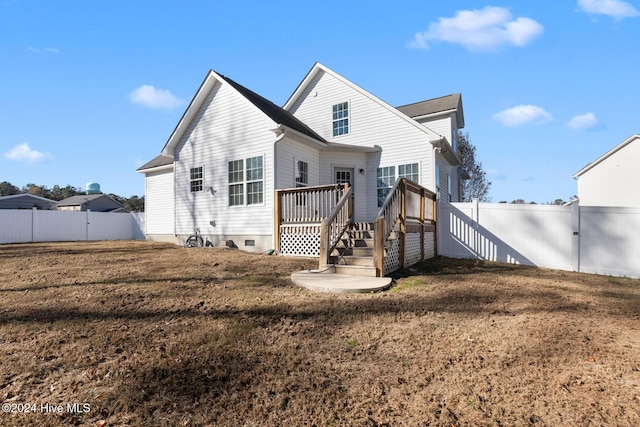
[(279, 138)]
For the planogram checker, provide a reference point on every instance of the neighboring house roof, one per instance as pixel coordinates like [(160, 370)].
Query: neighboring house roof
[(25, 201), (158, 162), (436, 106), (606, 155), (107, 203)]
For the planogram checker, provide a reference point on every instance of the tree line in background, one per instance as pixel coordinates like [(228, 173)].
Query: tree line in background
[(477, 186), (57, 193)]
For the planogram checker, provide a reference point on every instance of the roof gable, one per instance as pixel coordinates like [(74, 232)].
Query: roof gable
[(27, 196), (277, 114), (318, 68), (608, 154)]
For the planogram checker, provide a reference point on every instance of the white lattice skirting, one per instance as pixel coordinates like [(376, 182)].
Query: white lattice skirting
[(429, 245), (392, 259), (412, 251), (300, 240)]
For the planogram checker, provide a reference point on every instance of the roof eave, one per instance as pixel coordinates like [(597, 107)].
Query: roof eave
[(317, 67), (155, 168), (447, 151), (190, 112), (335, 146), (297, 135), (605, 155)]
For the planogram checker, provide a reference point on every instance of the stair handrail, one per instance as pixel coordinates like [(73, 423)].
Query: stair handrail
[(391, 208), (388, 218), (394, 214), (335, 224)]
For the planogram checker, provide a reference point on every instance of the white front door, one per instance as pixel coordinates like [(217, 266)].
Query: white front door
[(344, 175)]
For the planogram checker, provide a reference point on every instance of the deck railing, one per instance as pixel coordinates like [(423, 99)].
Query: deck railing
[(307, 204), (299, 213), (409, 209), (332, 227)]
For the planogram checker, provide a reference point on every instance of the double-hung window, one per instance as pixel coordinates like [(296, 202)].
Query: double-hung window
[(386, 179), (302, 175), (255, 183), (196, 179), (236, 183), (341, 119), (302, 180), (409, 171), (246, 181)]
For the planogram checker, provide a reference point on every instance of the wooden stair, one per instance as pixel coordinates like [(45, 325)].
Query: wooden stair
[(353, 254)]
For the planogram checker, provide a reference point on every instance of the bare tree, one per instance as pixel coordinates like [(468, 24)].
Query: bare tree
[(477, 186)]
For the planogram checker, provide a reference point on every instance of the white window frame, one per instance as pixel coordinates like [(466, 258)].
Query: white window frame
[(246, 181), (413, 173), (255, 178), (340, 119), (385, 178), (302, 174), (235, 179), (196, 179)]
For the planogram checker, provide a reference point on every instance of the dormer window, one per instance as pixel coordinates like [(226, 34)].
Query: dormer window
[(341, 119)]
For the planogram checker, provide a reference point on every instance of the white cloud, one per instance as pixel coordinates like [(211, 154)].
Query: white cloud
[(484, 29), (522, 115), (22, 152), (614, 8), (583, 122), (154, 98), (46, 50)]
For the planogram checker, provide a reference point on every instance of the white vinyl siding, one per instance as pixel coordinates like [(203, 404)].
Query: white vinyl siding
[(614, 181), (159, 203), (289, 153), (371, 123), (364, 204), (226, 128)]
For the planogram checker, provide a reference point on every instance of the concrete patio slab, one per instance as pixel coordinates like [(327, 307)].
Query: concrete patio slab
[(327, 281)]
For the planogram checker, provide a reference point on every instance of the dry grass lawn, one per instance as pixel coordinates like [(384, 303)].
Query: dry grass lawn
[(149, 334)]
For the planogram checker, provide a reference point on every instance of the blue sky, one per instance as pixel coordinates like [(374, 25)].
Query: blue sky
[(91, 90)]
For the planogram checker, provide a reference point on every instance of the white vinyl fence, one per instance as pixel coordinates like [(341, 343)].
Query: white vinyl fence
[(602, 240), (21, 226)]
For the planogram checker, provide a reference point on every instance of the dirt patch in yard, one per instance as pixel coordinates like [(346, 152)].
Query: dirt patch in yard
[(141, 333)]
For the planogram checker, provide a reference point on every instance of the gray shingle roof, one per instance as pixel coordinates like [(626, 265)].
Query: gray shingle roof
[(435, 105), (161, 160), (275, 113)]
